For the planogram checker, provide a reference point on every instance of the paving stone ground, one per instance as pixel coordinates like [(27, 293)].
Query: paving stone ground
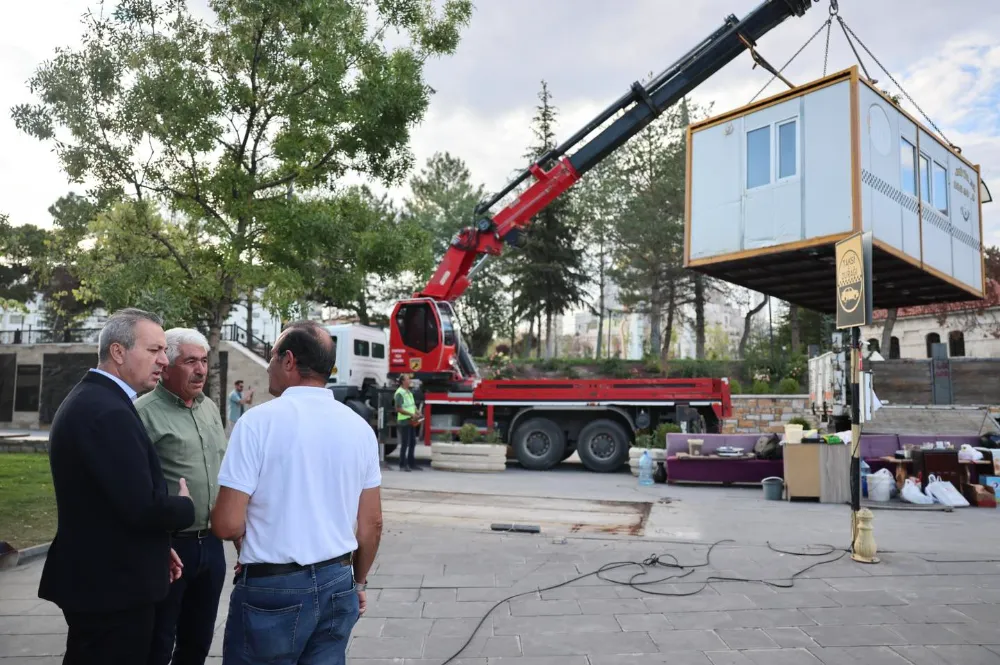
[(433, 583)]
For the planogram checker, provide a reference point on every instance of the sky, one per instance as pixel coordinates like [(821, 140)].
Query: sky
[(945, 54)]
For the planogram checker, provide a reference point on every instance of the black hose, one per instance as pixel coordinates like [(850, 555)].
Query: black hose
[(657, 560)]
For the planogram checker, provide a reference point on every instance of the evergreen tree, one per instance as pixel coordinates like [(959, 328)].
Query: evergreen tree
[(549, 276)]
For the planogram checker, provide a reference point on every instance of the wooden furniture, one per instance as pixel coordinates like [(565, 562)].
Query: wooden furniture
[(969, 474), (817, 471)]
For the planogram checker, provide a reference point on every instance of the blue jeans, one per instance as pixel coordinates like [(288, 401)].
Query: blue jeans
[(303, 618)]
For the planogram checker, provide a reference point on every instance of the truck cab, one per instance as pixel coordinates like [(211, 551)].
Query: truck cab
[(361, 367)]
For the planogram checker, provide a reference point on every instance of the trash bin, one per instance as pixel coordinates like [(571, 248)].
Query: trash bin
[(773, 487)]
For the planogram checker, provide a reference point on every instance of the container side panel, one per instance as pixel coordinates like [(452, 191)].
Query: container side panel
[(772, 208), (827, 160), (716, 190), (954, 205), (881, 175)]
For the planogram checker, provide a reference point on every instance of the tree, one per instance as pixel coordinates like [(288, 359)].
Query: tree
[(57, 276), (218, 121), (649, 235), (442, 202), (549, 276), (360, 245), (22, 248), (598, 204), (717, 345), (747, 301)]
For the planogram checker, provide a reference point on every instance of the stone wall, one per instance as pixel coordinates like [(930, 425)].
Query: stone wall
[(766, 413)]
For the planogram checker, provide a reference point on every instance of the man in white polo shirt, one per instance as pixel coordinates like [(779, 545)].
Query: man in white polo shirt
[(299, 471)]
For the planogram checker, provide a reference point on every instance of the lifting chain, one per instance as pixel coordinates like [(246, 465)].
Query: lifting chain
[(809, 41), (850, 33)]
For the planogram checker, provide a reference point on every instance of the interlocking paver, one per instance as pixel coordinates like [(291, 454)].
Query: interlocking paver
[(433, 584)]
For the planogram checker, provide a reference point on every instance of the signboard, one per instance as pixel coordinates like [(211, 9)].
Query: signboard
[(854, 269)]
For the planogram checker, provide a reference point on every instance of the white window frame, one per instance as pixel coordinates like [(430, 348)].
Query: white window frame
[(746, 157), (947, 192), (929, 200), (777, 149), (916, 167), (774, 151)]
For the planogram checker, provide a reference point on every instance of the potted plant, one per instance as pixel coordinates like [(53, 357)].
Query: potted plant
[(646, 442), (472, 452)]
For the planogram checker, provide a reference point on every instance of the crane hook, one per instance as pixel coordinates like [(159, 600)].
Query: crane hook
[(834, 8)]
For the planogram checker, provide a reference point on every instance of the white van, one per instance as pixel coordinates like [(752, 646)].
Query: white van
[(362, 356)]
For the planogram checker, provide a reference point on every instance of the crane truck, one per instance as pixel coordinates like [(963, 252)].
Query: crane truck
[(545, 421)]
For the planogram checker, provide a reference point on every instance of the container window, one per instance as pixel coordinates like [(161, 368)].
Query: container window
[(908, 157), (787, 149), (378, 350), (925, 178), (941, 188), (360, 348), (759, 157)]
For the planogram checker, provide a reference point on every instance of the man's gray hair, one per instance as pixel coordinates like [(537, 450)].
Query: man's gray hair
[(120, 329), (178, 336)]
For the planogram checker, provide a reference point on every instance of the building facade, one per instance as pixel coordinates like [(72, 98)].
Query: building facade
[(970, 329)]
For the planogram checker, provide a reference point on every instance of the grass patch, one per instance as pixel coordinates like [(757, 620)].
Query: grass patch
[(27, 499)]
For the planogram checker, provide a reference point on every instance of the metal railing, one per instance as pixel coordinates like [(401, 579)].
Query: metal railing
[(44, 336), (238, 335)]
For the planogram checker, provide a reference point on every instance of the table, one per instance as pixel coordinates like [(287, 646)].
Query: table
[(902, 464)]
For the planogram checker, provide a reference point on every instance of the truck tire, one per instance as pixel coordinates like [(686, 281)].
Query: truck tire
[(539, 444), (603, 446)]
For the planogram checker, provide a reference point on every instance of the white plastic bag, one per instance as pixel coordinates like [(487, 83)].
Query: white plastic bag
[(944, 492), (968, 453), (913, 494)]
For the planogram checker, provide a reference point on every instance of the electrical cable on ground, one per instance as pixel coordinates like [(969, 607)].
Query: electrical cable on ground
[(658, 560)]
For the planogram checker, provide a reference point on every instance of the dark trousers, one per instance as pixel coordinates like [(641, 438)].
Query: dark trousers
[(407, 444), (188, 613), (109, 638)]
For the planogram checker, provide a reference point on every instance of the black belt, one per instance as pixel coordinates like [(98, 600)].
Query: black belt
[(199, 534), (268, 569)]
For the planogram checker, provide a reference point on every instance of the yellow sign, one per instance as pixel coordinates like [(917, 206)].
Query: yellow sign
[(415, 364), (852, 283)]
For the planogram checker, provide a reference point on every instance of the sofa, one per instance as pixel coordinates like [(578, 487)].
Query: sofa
[(753, 471), (725, 471)]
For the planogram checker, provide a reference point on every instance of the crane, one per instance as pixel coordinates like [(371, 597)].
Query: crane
[(424, 337)]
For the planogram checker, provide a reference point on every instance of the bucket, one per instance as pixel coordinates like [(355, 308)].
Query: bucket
[(793, 433), (879, 487), (773, 487)]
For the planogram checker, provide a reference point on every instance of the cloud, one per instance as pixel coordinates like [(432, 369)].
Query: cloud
[(589, 51)]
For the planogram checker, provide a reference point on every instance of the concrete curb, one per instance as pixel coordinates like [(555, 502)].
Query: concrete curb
[(32, 553)]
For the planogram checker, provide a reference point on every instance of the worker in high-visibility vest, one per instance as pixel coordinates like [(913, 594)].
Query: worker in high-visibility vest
[(407, 420)]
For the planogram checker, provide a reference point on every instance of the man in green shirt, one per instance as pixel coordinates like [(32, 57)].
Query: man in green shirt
[(186, 429), (407, 421)]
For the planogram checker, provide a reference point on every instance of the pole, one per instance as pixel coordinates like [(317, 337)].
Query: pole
[(863, 547)]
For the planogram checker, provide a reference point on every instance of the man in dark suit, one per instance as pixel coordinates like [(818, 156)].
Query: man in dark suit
[(111, 561)]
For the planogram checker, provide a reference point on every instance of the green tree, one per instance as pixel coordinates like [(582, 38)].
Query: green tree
[(442, 201), (218, 120), (549, 276), (598, 205), (359, 247), (22, 249), (650, 233)]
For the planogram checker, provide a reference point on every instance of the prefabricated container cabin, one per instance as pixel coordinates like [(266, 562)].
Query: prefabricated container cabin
[(774, 185)]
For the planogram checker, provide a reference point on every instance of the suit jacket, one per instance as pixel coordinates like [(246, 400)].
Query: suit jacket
[(111, 551)]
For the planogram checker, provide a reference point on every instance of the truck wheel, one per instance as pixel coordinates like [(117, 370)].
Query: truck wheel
[(539, 444), (603, 446)]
